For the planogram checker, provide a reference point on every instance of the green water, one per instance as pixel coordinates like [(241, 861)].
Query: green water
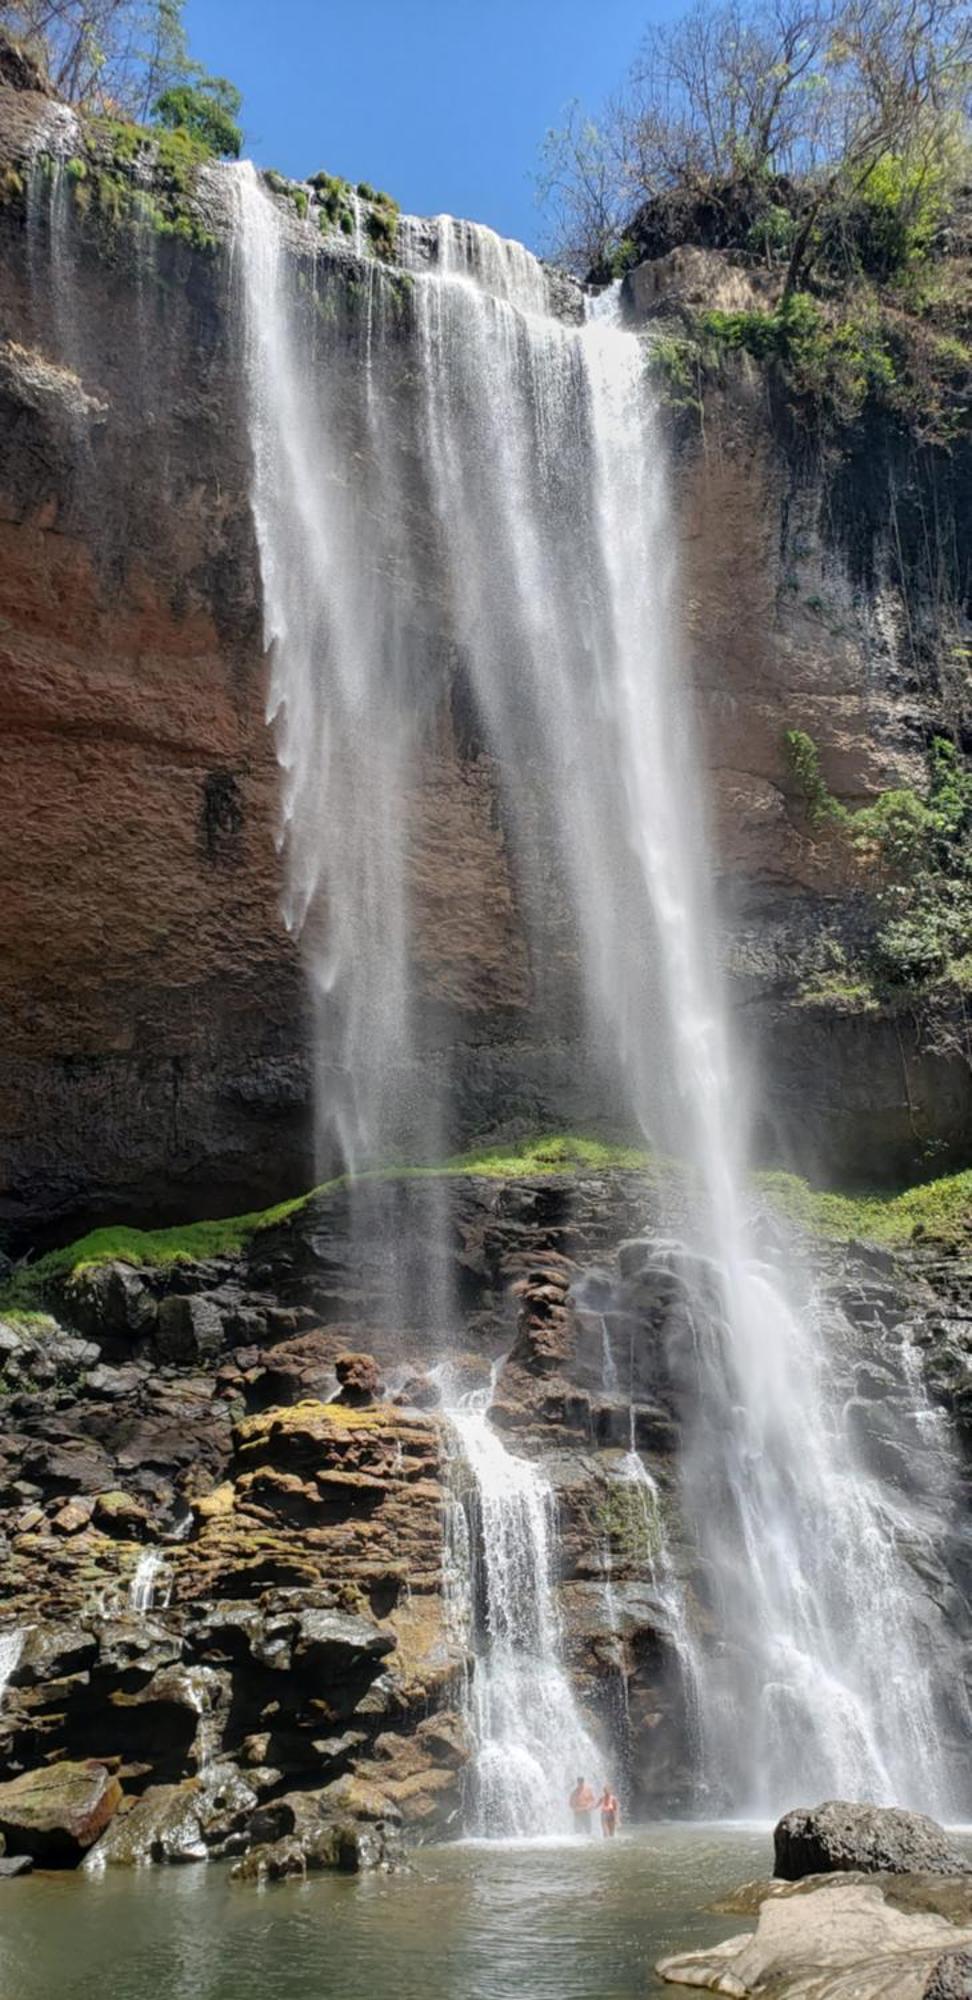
[(559, 1921)]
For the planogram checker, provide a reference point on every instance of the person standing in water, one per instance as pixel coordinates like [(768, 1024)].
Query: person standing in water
[(582, 1803), (610, 1813)]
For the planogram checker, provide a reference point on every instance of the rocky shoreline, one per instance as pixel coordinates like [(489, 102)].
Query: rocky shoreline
[(866, 1903)]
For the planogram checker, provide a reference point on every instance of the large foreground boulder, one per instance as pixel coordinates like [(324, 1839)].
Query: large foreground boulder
[(840, 1837), (56, 1814), (841, 1940)]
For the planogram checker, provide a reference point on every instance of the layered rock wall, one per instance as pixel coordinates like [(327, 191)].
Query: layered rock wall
[(156, 1048)]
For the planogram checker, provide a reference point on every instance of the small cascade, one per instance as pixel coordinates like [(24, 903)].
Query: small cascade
[(530, 1740), (151, 1584)]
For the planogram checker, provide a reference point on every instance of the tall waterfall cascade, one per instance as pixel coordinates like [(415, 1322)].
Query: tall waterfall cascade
[(448, 448)]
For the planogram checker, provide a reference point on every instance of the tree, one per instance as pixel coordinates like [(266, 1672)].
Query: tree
[(127, 57), (208, 109), (815, 92), (899, 71)]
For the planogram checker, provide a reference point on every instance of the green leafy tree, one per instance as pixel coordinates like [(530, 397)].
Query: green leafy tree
[(207, 109)]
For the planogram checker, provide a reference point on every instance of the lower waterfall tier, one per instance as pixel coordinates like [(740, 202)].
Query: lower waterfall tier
[(293, 1676)]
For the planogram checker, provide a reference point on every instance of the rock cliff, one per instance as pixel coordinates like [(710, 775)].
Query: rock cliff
[(155, 1058)]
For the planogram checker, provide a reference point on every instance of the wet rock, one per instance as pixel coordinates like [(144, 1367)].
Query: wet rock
[(161, 1826), (951, 1978), (189, 1329), (840, 1836), (56, 1814), (419, 1392), (842, 1940), (112, 1304), (338, 1645), (359, 1377), (53, 1651), (12, 1865)]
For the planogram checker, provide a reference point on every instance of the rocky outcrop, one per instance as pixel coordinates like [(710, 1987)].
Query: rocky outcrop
[(833, 1940), (839, 1837)]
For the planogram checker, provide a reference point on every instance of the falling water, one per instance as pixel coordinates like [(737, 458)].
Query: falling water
[(11, 1647), (530, 1742), (467, 459), (144, 1590)]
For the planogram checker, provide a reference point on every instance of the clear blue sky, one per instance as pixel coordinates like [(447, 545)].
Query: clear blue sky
[(442, 102)]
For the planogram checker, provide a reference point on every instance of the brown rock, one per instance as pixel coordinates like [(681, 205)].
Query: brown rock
[(55, 1814), (359, 1378)]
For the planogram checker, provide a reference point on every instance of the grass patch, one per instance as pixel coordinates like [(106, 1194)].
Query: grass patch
[(193, 1241), (940, 1211), (937, 1211)]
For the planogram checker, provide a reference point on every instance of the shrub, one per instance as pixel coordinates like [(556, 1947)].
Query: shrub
[(207, 110)]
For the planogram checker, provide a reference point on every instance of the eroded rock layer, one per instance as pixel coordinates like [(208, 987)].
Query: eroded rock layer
[(223, 1494)]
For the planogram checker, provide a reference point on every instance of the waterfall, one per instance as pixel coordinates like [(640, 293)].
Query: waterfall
[(143, 1590), (530, 1742), (458, 457)]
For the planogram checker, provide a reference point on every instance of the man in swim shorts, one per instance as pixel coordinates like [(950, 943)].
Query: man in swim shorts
[(582, 1803)]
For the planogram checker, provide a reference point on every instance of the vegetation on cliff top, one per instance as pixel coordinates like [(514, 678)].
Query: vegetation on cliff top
[(937, 1211), (822, 147), (127, 59)]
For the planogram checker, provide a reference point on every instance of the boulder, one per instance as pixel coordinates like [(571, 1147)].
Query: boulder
[(841, 1940), (840, 1837), (359, 1378), (162, 1826), (338, 1643), (189, 1329), (54, 1815)]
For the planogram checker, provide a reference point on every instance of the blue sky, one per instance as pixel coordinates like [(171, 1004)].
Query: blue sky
[(442, 102)]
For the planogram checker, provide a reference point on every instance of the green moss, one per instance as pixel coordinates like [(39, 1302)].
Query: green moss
[(629, 1517), (938, 1211), (108, 194), (11, 184)]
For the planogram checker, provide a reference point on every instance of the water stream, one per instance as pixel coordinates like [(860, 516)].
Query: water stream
[(530, 1741), (457, 456)]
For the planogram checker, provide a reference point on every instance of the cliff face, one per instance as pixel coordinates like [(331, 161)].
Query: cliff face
[(153, 1046), (155, 1056)]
